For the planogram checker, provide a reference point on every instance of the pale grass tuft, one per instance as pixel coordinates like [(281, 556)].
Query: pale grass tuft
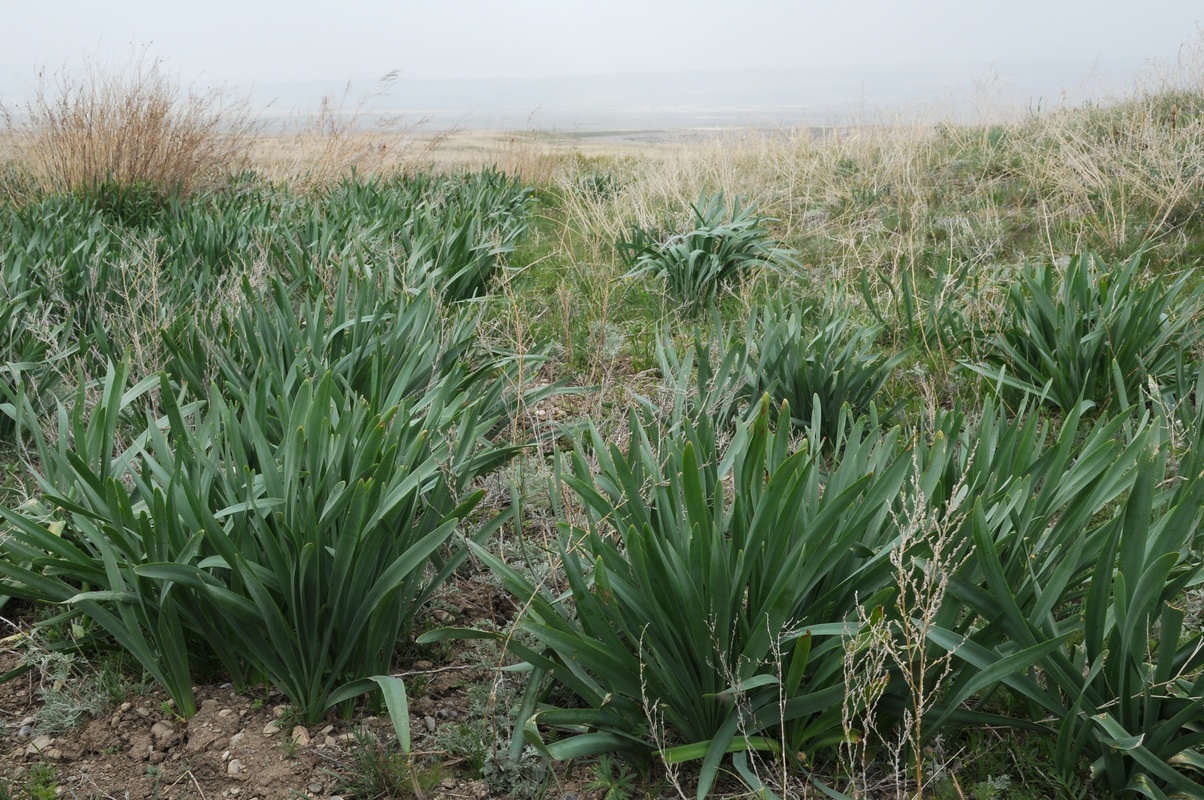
[(929, 552), (131, 126)]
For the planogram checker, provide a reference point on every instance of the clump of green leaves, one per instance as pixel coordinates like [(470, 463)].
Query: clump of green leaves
[(821, 364), (288, 523), (1096, 333), (698, 606), (723, 245)]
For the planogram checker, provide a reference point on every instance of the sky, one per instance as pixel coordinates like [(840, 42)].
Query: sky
[(245, 43)]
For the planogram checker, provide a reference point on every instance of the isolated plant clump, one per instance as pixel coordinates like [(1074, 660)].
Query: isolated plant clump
[(725, 244), (128, 127), (1096, 333)]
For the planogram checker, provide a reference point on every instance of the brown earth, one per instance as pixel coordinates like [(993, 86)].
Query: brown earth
[(242, 746)]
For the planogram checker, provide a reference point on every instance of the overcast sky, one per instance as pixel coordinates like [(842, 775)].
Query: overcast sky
[(244, 42)]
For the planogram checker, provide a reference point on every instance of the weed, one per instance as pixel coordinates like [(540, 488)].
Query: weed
[(614, 781)]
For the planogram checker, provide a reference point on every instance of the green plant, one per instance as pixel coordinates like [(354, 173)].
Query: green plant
[(821, 371), (1088, 601), (298, 556), (1095, 334), (613, 781), (375, 768), (41, 782), (706, 617), (723, 247)]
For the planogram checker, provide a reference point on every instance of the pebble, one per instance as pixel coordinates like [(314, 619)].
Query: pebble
[(327, 730), (330, 741), (226, 712), (443, 713), (27, 721), (236, 739), (279, 711), (300, 736), (423, 665), (429, 722), (234, 767), (39, 744), (25, 731), (271, 729), (142, 711), (126, 707), (315, 787), (448, 783), (162, 732)]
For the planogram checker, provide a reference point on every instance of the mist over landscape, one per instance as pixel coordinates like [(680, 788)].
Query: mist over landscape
[(820, 96)]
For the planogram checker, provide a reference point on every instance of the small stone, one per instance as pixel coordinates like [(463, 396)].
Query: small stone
[(443, 713), (448, 783), (142, 711), (25, 732), (329, 729), (39, 744), (345, 737), (423, 664), (225, 756), (226, 712), (27, 721), (236, 739), (329, 741), (272, 728), (162, 733), (440, 615), (569, 796), (156, 757), (234, 767), (279, 711), (336, 797), (126, 707), (429, 722), (300, 736), (315, 788)]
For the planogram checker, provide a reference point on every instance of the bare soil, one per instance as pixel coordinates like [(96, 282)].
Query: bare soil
[(242, 746)]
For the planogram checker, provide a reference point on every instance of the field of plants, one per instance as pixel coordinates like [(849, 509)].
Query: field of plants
[(863, 463)]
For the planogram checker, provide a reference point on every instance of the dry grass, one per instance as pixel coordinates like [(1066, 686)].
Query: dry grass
[(131, 126), (343, 136)]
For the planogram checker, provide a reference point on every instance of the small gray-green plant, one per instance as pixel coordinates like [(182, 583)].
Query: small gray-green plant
[(613, 781), (724, 245)]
